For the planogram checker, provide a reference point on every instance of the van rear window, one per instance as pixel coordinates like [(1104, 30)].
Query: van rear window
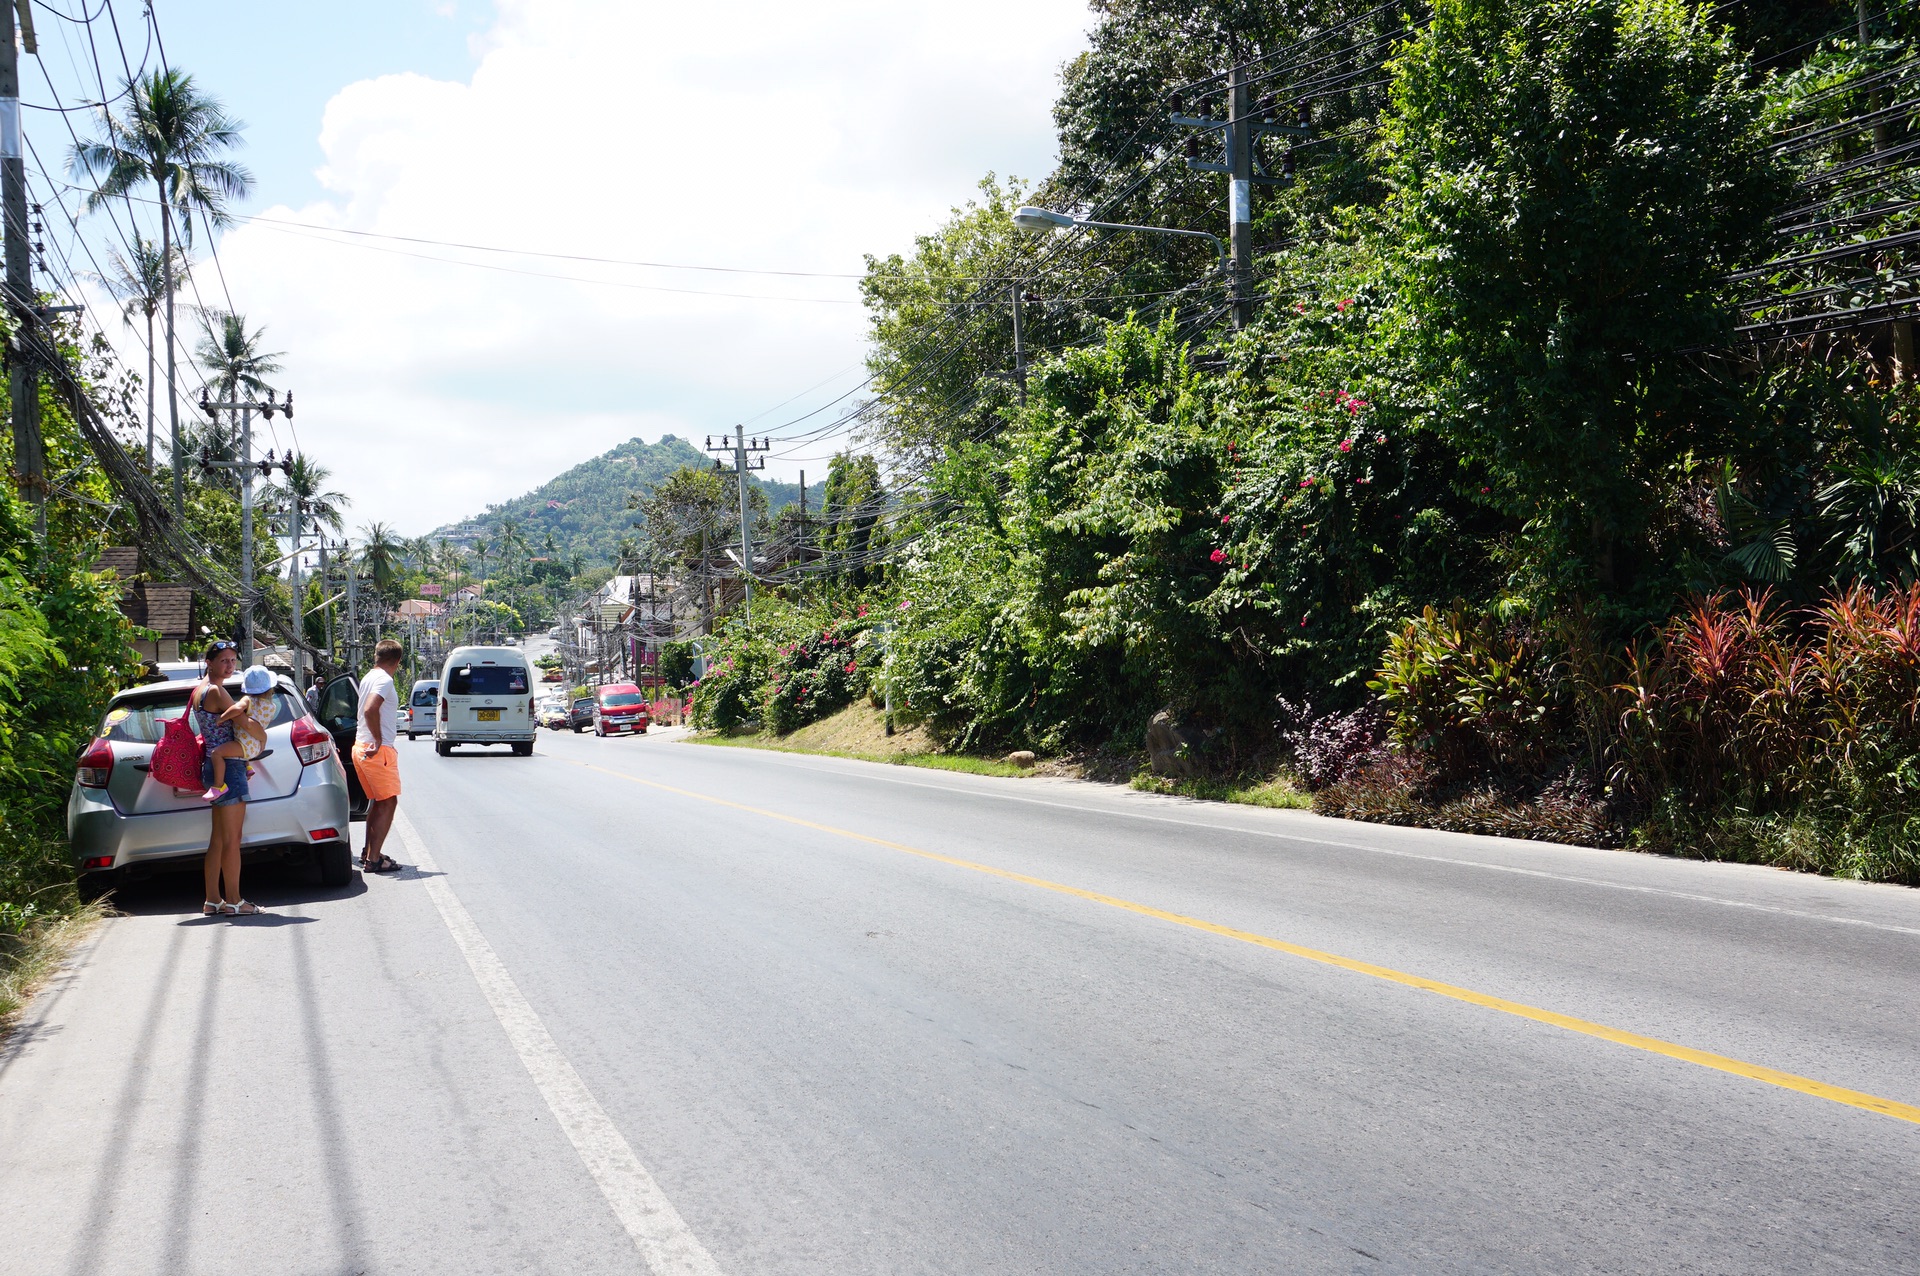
[(426, 697), (487, 680)]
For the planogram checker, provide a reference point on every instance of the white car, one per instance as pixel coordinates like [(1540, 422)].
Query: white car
[(486, 697), (423, 707)]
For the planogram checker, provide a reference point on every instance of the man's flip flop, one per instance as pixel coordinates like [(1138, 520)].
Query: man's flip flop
[(384, 864)]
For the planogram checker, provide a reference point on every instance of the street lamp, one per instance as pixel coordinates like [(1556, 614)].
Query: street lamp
[(1045, 219)]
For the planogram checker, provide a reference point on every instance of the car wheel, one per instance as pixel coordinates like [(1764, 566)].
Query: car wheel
[(578, 730), (336, 863), (442, 748), (523, 750)]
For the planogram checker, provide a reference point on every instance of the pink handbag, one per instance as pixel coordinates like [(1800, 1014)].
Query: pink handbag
[(178, 758)]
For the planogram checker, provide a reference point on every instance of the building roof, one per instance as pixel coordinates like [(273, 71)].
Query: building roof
[(165, 608), (123, 560), (417, 608)]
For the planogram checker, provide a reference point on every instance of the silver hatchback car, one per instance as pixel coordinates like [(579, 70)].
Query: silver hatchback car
[(123, 823)]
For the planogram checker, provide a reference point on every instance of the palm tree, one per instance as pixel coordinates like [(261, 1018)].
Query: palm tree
[(380, 556), (480, 551), (171, 134), (234, 355), (140, 284), (307, 483)]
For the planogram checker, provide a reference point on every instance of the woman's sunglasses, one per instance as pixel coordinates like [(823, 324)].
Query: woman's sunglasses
[(222, 646)]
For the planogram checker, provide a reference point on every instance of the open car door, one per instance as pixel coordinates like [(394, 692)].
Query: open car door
[(338, 702)]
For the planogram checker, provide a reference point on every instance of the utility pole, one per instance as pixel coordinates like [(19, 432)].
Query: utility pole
[(29, 450), (742, 447), (1240, 195), (297, 588), (1019, 350), (326, 607), (1245, 124), (353, 615), (245, 465)]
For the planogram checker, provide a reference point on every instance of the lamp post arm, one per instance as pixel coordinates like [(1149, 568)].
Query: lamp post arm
[(1218, 247)]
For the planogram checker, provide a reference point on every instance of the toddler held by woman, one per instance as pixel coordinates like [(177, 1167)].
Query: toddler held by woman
[(250, 716)]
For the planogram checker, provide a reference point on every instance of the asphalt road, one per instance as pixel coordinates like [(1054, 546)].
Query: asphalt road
[(643, 1004)]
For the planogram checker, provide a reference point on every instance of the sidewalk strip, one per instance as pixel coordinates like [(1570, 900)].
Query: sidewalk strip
[(663, 1238), (1652, 1045)]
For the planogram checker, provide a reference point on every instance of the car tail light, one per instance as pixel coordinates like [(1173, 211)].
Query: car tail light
[(97, 861), (96, 765), (310, 743), (324, 835)]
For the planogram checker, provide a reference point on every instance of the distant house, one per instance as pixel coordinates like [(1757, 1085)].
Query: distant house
[(165, 608), (418, 609)]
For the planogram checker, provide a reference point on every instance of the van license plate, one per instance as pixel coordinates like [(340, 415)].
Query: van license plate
[(487, 715)]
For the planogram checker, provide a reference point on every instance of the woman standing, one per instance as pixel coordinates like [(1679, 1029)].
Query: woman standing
[(207, 703)]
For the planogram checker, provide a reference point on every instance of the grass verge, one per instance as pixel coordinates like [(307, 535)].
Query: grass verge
[(1277, 792), (29, 958), (933, 761)]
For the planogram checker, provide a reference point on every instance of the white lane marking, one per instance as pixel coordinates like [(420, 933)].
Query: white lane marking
[(789, 760), (666, 1243)]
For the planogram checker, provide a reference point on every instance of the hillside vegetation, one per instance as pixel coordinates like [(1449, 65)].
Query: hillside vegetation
[(586, 510)]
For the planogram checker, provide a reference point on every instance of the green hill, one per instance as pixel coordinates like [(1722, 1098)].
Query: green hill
[(585, 509)]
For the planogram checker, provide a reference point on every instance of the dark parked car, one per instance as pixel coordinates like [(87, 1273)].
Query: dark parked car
[(580, 717)]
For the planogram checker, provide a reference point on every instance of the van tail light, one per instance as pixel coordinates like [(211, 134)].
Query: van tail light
[(443, 708), (96, 765), (310, 743), (533, 709)]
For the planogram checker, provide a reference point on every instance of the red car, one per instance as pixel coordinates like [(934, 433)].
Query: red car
[(619, 708)]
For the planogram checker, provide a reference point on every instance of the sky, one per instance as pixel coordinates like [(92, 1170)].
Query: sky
[(750, 135)]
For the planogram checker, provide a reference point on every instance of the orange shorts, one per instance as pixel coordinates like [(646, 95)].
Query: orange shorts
[(379, 771)]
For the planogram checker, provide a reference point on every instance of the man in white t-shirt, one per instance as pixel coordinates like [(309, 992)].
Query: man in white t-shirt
[(375, 760)]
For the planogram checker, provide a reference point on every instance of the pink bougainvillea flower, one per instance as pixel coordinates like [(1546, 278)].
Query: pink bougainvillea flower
[(1299, 307), (1342, 304), (1485, 490), (1225, 519), (1379, 438), (1346, 445), (1218, 556), (905, 603), (862, 611), (851, 666), (1303, 622), (1306, 482)]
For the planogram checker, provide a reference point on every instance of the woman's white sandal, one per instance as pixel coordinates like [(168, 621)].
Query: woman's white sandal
[(246, 909), (210, 909)]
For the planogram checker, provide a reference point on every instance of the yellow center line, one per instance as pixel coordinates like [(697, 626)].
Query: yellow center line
[(1652, 1045)]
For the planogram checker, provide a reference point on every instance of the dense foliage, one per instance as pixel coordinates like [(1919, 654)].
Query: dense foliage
[(1489, 520)]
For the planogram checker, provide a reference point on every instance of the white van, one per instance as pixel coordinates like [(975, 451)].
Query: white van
[(423, 708), (486, 697)]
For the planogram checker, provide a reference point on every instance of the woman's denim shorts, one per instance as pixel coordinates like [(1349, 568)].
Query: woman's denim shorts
[(236, 781)]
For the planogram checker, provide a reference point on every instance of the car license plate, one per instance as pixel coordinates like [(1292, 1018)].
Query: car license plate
[(487, 715)]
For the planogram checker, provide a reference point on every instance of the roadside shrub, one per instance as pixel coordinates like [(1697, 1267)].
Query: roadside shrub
[(1474, 696), (1328, 748), (819, 674)]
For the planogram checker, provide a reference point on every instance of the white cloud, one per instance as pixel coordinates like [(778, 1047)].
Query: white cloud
[(753, 133)]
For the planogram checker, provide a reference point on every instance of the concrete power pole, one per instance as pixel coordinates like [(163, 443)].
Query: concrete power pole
[(297, 587), (29, 451), (246, 408), (1240, 195), (1246, 122), (1019, 355), (742, 447)]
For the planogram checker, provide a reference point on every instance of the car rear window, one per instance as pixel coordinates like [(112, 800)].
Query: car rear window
[(426, 696), (487, 680), (142, 721), (583, 704), (622, 699)]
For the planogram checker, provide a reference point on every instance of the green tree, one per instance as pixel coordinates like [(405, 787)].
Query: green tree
[(379, 556), (1574, 180), (139, 283), (173, 135)]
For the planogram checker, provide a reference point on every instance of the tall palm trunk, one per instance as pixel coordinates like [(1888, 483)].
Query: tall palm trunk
[(150, 358), (173, 398)]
